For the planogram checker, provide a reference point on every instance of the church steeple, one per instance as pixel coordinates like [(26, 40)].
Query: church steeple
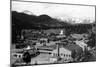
[(61, 32)]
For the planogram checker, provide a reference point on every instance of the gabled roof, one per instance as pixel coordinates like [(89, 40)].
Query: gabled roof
[(52, 47), (73, 47)]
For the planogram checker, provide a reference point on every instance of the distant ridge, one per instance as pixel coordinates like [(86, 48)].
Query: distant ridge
[(25, 21)]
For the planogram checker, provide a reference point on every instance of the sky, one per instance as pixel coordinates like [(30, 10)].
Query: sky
[(55, 10)]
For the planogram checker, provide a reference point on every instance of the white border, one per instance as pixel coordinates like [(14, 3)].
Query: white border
[(5, 33)]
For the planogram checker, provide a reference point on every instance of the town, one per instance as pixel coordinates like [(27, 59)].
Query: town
[(50, 33), (52, 46)]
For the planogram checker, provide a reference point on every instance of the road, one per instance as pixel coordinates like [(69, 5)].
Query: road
[(41, 59)]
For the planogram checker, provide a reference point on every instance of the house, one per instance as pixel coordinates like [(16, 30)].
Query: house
[(61, 36), (30, 34), (43, 39), (46, 49), (82, 44), (63, 53), (66, 52), (80, 40), (45, 42), (79, 36), (55, 31)]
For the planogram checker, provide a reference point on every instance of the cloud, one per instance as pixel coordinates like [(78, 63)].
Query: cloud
[(55, 10)]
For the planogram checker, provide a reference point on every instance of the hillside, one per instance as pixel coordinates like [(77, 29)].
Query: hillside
[(24, 21)]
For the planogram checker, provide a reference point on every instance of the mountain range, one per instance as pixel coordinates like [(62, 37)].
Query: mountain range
[(24, 21)]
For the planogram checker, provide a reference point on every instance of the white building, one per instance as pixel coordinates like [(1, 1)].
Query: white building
[(66, 52), (61, 34)]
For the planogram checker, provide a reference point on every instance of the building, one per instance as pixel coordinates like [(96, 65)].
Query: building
[(46, 49), (66, 52), (30, 34), (55, 31), (63, 53), (79, 36), (81, 44), (46, 42)]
